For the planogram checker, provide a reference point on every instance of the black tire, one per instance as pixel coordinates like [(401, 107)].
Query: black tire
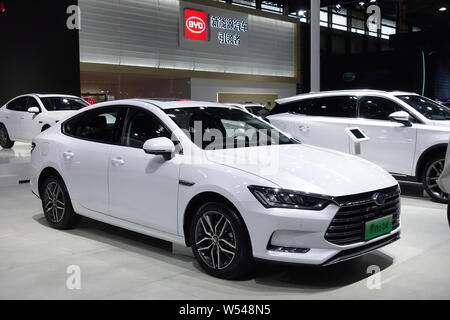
[(229, 231), (45, 127), (448, 214), (430, 173), (5, 142), (59, 212)]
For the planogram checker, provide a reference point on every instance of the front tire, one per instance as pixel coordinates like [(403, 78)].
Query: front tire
[(430, 174), (220, 241), (57, 205), (5, 142)]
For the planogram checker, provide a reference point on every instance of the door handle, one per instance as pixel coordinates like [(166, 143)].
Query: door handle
[(68, 155), (118, 161)]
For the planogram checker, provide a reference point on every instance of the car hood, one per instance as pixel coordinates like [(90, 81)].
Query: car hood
[(306, 168)]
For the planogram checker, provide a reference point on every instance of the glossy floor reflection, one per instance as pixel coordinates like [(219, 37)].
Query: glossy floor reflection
[(118, 264), (14, 164)]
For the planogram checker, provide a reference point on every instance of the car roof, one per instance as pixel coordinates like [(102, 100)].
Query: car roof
[(342, 92), (180, 103), (41, 95), (44, 95)]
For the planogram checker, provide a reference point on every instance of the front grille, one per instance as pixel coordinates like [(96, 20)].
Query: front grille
[(348, 225)]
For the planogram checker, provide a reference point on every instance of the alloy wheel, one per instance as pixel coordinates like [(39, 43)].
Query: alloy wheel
[(54, 202), (432, 175), (215, 240)]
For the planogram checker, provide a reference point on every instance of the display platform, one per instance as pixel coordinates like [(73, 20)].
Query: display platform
[(36, 262), (14, 164)]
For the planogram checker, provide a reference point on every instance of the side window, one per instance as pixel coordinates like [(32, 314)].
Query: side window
[(141, 125), (299, 107), (339, 106), (99, 125), (377, 108), (19, 104)]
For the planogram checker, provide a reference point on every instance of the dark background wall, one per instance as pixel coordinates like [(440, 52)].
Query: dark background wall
[(38, 53), (354, 61)]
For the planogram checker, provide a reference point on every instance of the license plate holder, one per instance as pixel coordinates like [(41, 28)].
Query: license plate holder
[(378, 227)]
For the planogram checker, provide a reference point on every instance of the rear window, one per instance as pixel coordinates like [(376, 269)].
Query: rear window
[(340, 107), (299, 107), (63, 103)]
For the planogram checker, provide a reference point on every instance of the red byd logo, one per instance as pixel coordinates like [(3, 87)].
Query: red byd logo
[(194, 24)]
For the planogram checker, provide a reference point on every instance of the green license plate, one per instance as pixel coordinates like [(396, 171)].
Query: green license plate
[(378, 227)]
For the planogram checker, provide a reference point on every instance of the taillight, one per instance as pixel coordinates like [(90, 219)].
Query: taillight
[(33, 146)]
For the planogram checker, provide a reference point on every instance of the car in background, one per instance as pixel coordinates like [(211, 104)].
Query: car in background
[(408, 133), (445, 102), (89, 100), (24, 117), (253, 108), (153, 167)]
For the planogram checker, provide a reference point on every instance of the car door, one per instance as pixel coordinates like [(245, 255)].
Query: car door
[(14, 115), (327, 120), (143, 188), (290, 117), (85, 155), (391, 145)]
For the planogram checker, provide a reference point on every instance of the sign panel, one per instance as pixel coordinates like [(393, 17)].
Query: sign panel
[(195, 24), (211, 29)]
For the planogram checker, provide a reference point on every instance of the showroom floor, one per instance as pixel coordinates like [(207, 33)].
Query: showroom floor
[(118, 264)]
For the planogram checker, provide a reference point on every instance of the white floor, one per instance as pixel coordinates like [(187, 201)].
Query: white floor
[(14, 164), (117, 264)]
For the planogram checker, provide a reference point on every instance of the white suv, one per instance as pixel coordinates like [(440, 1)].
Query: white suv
[(183, 171), (24, 117), (408, 134)]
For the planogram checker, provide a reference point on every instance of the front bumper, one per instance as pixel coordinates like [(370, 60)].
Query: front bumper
[(298, 236)]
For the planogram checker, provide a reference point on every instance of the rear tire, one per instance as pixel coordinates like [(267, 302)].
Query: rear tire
[(5, 142), (57, 205), (220, 241), (430, 174)]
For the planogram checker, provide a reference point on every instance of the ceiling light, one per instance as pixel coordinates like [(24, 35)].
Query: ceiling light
[(361, 5), (442, 9), (302, 13)]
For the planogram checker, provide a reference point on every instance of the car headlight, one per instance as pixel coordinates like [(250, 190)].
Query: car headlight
[(281, 198)]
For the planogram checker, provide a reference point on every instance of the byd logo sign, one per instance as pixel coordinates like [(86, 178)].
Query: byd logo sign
[(194, 24)]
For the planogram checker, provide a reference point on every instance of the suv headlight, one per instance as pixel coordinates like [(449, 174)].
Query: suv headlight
[(281, 198)]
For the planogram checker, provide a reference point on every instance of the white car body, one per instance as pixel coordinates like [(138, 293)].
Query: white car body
[(399, 149), (126, 187), (23, 126)]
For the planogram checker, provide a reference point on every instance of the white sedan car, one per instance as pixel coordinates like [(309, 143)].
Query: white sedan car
[(215, 178), (408, 133), (24, 117)]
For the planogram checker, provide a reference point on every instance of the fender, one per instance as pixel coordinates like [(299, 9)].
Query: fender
[(424, 154)]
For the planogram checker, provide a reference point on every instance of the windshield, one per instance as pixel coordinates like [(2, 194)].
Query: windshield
[(225, 128), (427, 107), (63, 103)]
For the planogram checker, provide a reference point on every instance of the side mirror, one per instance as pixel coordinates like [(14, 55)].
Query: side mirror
[(34, 110), (160, 146), (402, 117)]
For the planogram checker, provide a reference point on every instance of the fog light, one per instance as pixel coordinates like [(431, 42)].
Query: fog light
[(288, 249)]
